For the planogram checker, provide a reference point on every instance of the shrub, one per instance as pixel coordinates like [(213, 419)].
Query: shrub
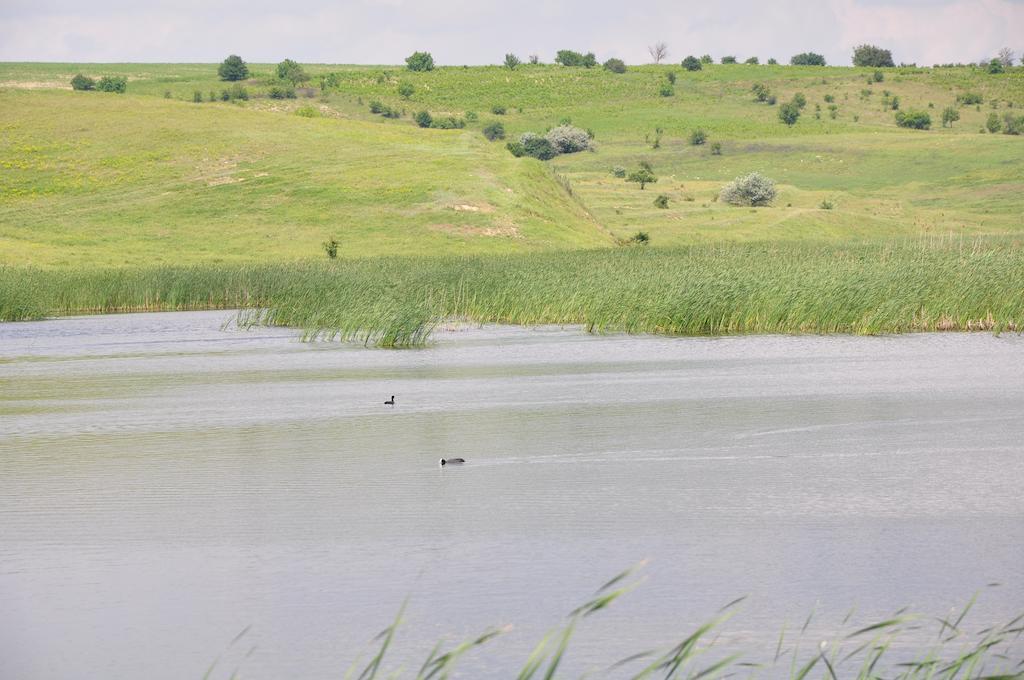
[(534, 145), (498, 109), (771, 100), (995, 66), (472, 116), (233, 68), (167, 94), (494, 131), (423, 119), (826, 204), (829, 98), (918, 120), (666, 90), (754, 190), (698, 137), (619, 171), (568, 139), (640, 238), (643, 177), (729, 60), (419, 61), (291, 72), (448, 123), (281, 92), (116, 84), (376, 106), (331, 248), (800, 100), (752, 60), (671, 77), (950, 115), (661, 201), (1013, 125), (877, 77), (534, 59), (225, 96), (571, 58), (330, 81), (870, 55), (692, 63), (706, 59), (789, 113), (239, 92), (307, 111), (511, 61), (197, 97), (969, 98), (773, 61), (81, 82), (615, 65), (213, 96), (406, 90), (993, 123), (761, 92), (807, 59), (716, 148)]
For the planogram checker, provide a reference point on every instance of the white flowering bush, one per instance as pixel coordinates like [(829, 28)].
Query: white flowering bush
[(752, 189), (568, 139)]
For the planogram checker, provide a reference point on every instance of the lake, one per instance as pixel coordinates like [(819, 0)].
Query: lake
[(168, 481)]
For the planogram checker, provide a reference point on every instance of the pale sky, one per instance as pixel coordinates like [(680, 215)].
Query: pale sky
[(460, 32)]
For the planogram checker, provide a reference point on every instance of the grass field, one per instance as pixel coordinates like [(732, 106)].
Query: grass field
[(155, 183)]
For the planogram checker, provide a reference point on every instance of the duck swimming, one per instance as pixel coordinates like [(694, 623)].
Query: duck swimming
[(453, 461), (391, 401)]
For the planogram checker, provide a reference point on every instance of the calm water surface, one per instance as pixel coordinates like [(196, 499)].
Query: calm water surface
[(166, 482)]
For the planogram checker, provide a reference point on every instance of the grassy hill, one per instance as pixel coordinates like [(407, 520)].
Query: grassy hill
[(150, 200), (151, 177)]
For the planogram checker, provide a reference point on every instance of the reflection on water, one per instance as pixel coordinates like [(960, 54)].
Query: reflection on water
[(166, 482)]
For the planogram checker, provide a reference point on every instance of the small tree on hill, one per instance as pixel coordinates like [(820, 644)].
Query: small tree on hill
[(807, 59), (571, 58), (291, 71), (753, 61), (406, 90), (420, 61), (706, 59), (949, 115), (233, 68), (511, 61), (772, 61), (1005, 57), (729, 59), (789, 113), (643, 177), (81, 82), (692, 63), (754, 190), (658, 51), (872, 56), (995, 66)]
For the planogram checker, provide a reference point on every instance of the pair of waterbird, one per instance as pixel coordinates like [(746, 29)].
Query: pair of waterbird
[(444, 461)]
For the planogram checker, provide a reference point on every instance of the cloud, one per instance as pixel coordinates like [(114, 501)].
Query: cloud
[(482, 31)]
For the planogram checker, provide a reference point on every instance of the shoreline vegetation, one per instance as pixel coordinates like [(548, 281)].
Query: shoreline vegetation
[(865, 651), (927, 284)]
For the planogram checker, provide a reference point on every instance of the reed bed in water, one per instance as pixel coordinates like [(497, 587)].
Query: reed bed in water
[(937, 649), (865, 288)]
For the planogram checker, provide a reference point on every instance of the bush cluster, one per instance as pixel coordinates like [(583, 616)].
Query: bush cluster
[(494, 131), (870, 55), (753, 190), (918, 120), (291, 72), (571, 58), (969, 98), (532, 144), (789, 113), (116, 84), (281, 92), (1013, 125), (568, 139), (382, 109), (692, 63), (807, 59), (615, 65)]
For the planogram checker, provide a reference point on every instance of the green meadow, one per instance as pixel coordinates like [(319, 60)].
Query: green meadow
[(99, 188)]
